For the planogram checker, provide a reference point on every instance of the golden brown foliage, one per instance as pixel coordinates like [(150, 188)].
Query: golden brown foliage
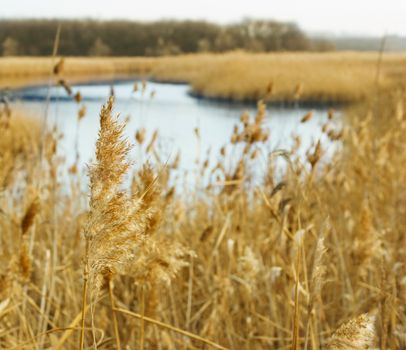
[(278, 77), (249, 284)]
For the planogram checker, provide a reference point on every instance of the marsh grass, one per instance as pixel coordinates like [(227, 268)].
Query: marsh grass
[(284, 263), (294, 78)]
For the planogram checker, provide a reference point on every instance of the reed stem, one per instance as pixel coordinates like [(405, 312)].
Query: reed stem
[(115, 323), (142, 323), (82, 328)]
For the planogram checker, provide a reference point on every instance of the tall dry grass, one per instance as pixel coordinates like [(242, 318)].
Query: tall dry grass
[(277, 77), (310, 259)]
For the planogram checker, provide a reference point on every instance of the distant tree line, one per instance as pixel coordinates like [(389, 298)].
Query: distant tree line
[(127, 38)]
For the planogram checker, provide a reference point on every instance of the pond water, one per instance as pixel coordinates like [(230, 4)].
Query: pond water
[(171, 111)]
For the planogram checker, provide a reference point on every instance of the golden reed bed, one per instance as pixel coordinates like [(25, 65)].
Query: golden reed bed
[(300, 77), (310, 259)]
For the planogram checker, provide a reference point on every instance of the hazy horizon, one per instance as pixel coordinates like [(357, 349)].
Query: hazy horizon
[(356, 18)]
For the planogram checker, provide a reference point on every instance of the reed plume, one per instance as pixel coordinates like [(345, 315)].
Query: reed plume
[(358, 333), (109, 231), (29, 216), (120, 225)]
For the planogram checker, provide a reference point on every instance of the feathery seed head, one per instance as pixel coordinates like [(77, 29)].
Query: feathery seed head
[(358, 333)]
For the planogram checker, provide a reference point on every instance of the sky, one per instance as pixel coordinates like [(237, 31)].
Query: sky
[(356, 17)]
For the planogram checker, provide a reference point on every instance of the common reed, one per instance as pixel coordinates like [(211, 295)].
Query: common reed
[(358, 333), (307, 78), (120, 227), (280, 262)]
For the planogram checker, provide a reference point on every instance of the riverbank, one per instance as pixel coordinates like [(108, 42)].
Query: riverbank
[(280, 78)]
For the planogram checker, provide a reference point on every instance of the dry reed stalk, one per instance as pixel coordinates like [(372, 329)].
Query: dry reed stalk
[(84, 301), (142, 323), (172, 328), (114, 316), (316, 282), (48, 98), (69, 330), (296, 315), (44, 293)]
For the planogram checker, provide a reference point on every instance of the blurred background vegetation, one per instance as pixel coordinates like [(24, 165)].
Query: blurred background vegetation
[(166, 37)]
